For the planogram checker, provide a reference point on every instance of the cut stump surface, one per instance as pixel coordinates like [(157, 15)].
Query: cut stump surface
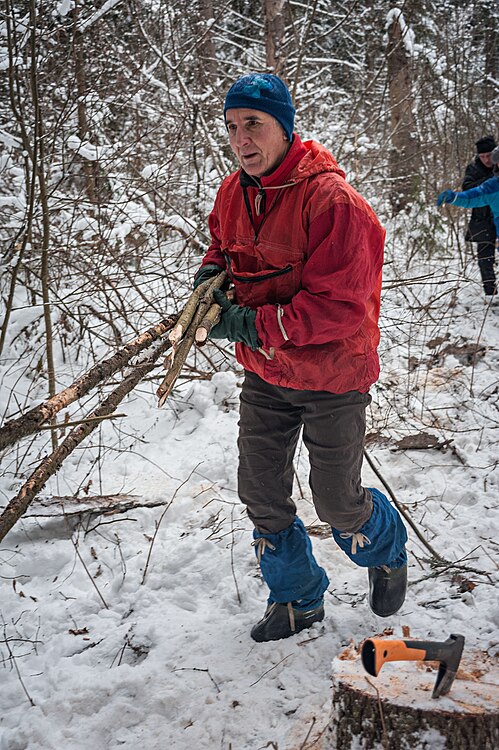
[(395, 710)]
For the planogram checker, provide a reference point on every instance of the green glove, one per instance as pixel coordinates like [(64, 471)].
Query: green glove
[(236, 324), (204, 273)]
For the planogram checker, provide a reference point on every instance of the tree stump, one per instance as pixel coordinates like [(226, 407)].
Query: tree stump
[(395, 710)]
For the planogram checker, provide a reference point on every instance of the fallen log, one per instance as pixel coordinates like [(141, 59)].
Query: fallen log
[(102, 505), (52, 463), (28, 423)]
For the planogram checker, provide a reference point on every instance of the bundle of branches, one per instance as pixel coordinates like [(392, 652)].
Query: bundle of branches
[(194, 325), (196, 319)]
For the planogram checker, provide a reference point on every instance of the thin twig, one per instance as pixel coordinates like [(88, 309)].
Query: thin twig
[(75, 545), (63, 425), (121, 653), (232, 554), (14, 662), (403, 512), (445, 567), (477, 345), (302, 746), (317, 739), (197, 669), (384, 738), (271, 668), (158, 523)]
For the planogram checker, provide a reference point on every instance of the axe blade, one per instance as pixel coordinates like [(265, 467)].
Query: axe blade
[(447, 669)]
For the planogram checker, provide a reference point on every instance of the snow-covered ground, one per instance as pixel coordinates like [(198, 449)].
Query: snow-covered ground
[(132, 630)]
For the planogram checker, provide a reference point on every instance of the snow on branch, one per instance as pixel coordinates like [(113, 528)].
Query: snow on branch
[(395, 15), (109, 5), (87, 150)]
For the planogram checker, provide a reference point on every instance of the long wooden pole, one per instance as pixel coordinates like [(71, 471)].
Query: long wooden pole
[(31, 421), (52, 463)]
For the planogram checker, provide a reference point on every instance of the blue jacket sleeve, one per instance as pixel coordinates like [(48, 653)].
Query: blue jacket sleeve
[(486, 194)]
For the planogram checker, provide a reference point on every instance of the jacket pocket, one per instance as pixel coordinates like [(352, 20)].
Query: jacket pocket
[(263, 286), (269, 286)]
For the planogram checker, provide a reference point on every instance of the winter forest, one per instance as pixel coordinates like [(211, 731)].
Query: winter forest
[(128, 584)]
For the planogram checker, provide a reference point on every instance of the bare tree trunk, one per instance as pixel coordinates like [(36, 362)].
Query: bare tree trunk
[(40, 169), (274, 35), (206, 46), (403, 164), (491, 43), (91, 169), (309, 19), (30, 171)]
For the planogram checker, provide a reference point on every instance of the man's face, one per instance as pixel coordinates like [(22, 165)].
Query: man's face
[(486, 159), (257, 140)]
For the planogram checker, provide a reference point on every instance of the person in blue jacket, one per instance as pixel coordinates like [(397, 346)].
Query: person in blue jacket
[(486, 194)]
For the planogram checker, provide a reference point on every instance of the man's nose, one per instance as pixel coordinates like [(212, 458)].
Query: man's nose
[(241, 137)]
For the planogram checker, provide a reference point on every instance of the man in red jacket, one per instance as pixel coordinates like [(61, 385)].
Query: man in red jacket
[(304, 252)]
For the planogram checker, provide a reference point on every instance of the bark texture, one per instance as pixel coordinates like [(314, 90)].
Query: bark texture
[(274, 35), (202, 297), (395, 711)]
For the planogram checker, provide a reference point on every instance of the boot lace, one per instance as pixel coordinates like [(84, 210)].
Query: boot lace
[(358, 539), (261, 544)]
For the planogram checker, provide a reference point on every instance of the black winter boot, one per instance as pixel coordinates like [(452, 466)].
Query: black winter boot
[(282, 620), (387, 589)]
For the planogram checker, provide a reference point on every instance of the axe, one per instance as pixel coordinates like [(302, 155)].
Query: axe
[(376, 651)]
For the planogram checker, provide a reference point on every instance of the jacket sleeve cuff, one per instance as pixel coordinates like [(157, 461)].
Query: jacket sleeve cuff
[(214, 258)]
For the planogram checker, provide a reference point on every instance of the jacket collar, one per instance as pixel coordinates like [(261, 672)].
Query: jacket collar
[(303, 160), (280, 175)]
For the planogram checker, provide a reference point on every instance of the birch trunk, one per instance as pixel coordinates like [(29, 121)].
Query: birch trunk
[(403, 154)]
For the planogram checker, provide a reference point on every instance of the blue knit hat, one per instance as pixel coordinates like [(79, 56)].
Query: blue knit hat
[(265, 92)]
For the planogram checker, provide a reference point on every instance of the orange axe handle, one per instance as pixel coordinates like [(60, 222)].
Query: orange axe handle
[(376, 652)]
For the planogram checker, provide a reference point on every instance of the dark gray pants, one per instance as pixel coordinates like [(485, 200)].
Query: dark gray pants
[(486, 257), (333, 431)]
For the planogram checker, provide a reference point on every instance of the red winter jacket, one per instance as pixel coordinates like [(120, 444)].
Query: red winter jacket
[(310, 266)]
